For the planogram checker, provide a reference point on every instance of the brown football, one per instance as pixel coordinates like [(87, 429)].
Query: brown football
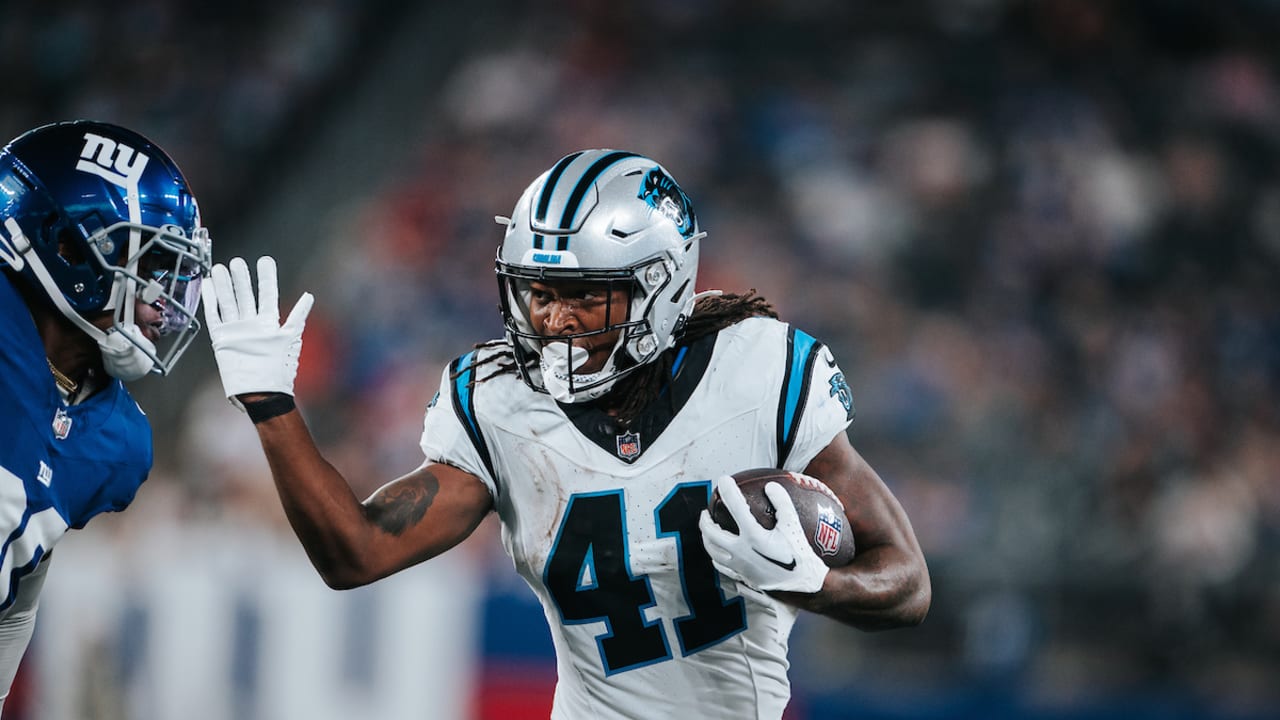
[(820, 511)]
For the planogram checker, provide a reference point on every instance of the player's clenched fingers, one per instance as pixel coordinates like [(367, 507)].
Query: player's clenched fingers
[(715, 538), (734, 502), (783, 505), (711, 531), (719, 544)]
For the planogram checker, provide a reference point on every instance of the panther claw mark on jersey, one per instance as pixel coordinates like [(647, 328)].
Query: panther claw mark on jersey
[(840, 391)]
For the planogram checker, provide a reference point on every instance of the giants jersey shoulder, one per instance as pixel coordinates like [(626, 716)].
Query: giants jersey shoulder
[(80, 460)]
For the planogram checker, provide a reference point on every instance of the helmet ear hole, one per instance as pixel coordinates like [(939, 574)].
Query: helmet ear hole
[(68, 249), (679, 293)]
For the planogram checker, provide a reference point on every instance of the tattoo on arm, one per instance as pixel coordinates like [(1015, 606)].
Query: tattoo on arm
[(400, 505)]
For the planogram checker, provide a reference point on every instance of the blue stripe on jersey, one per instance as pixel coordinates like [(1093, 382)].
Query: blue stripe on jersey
[(464, 405), (675, 366), (584, 184), (802, 350)]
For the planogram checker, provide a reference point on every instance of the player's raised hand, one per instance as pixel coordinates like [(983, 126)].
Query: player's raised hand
[(254, 351), (777, 559)]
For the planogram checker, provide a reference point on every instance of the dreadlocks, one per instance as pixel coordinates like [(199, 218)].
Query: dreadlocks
[(634, 392), (711, 314)]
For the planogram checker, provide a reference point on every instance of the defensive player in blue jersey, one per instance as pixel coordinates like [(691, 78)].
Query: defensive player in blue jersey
[(596, 429), (101, 257)]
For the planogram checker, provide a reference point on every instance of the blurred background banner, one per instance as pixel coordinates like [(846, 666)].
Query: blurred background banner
[(1042, 236)]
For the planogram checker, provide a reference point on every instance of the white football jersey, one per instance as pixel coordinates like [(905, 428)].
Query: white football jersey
[(603, 522)]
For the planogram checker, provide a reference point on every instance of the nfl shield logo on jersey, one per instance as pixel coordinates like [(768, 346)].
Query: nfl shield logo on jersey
[(61, 424), (827, 534), (629, 446)]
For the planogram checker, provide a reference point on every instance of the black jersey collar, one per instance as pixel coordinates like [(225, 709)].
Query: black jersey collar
[(629, 443)]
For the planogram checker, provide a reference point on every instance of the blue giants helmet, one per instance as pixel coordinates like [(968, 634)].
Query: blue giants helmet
[(602, 216), (97, 216)]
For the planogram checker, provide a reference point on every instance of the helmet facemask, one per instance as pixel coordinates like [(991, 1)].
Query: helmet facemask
[(555, 361), (164, 272)]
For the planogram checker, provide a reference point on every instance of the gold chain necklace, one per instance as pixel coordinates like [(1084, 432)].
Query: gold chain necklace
[(68, 385)]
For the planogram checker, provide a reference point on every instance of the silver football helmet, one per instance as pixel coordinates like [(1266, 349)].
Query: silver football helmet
[(604, 216)]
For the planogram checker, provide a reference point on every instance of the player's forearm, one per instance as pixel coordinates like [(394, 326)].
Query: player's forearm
[(318, 502), (883, 588)]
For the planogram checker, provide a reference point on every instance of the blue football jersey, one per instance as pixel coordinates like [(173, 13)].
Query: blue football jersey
[(59, 465)]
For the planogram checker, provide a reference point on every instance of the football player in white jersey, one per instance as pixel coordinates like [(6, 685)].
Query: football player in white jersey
[(597, 429), (101, 256)]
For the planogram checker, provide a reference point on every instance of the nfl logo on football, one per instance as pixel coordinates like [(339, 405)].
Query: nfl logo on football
[(827, 534)]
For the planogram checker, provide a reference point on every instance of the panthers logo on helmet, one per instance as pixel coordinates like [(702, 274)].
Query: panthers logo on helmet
[(664, 195)]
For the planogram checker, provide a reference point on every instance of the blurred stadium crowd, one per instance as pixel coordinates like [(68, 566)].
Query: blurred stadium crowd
[(1042, 237)]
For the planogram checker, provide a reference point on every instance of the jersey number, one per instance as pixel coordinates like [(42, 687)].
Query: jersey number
[(589, 576)]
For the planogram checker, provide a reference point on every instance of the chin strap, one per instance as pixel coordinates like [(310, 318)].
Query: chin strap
[(124, 349), (125, 353)]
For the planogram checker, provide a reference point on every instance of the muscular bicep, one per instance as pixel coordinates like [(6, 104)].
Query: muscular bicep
[(875, 516), (887, 584), (424, 513)]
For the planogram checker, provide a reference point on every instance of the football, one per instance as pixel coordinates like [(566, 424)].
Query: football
[(821, 513)]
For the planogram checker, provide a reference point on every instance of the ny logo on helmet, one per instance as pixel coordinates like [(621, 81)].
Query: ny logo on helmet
[(115, 162)]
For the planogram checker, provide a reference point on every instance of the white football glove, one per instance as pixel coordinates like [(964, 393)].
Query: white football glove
[(254, 352), (779, 559)]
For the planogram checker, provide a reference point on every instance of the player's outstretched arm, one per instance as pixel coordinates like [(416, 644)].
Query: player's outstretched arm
[(407, 521), (411, 519), (887, 584)]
